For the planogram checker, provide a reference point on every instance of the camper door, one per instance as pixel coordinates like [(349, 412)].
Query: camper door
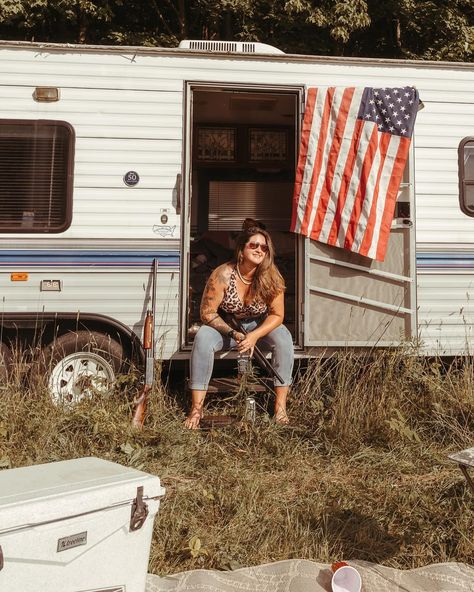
[(241, 148), (351, 300)]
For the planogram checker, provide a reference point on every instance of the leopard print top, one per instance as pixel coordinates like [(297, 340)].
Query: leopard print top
[(233, 304)]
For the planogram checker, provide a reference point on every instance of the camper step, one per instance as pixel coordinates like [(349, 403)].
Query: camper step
[(231, 385)]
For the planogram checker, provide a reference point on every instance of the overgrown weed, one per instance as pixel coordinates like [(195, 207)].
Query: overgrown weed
[(362, 472)]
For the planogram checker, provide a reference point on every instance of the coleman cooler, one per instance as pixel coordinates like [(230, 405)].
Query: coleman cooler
[(80, 525)]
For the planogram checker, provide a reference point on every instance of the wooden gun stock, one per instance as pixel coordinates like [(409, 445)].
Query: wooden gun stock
[(142, 400), (140, 408)]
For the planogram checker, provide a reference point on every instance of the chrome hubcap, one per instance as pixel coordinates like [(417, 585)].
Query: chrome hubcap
[(79, 376)]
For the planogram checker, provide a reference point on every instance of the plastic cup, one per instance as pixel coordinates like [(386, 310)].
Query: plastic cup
[(346, 579)]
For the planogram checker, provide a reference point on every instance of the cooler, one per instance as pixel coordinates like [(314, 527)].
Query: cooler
[(82, 525)]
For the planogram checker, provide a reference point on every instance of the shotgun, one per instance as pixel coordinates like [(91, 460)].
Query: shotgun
[(149, 347), (260, 358)]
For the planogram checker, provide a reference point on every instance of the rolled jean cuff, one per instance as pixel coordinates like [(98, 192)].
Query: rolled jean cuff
[(198, 387)]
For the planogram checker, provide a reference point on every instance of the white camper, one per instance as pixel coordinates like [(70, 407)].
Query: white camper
[(113, 157)]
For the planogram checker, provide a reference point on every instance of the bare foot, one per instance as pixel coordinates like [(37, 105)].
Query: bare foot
[(281, 417), (193, 419)]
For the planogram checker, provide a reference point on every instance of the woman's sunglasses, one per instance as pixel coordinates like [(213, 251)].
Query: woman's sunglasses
[(254, 246)]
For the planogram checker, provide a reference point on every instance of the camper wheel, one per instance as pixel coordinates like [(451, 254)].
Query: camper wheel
[(80, 364), (5, 362)]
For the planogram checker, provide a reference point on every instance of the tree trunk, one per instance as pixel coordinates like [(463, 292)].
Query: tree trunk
[(82, 24), (398, 34), (183, 29), (227, 28)]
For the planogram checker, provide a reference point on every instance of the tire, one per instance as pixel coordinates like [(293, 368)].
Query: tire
[(80, 364), (6, 360)]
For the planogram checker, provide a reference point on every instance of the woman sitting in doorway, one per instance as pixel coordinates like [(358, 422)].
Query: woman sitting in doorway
[(251, 288)]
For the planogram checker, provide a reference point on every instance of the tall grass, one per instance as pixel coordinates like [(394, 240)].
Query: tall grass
[(362, 472)]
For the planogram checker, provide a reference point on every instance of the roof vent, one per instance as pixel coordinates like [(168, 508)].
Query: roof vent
[(228, 46)]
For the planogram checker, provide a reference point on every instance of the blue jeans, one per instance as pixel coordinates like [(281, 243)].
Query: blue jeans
[(208, 341)]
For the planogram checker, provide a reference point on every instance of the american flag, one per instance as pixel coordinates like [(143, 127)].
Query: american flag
[(353, 151)]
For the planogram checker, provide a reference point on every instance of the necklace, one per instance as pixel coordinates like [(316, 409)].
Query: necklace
[(242, 279)]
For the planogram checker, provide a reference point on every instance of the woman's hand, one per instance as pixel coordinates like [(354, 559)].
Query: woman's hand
[(247, 344), (238, 337)]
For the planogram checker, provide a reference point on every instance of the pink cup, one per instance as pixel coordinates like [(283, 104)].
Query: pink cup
[(346, 579)]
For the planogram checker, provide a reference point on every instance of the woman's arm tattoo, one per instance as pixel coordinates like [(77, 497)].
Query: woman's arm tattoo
[(220, 325), (209, 306)]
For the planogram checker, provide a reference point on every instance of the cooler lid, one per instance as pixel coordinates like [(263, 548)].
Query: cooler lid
[(54, 491)]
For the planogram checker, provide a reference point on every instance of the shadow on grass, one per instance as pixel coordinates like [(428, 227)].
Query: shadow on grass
[(360, 537)]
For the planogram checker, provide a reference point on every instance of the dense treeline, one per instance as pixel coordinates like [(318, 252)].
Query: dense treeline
[(408, 29)]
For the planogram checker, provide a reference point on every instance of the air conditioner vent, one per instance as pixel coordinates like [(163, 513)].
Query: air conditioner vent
[(229, 46)]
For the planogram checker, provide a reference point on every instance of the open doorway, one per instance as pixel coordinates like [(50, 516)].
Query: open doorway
[(242, 161)]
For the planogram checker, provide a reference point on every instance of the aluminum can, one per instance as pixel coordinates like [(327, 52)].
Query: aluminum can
[(250, 409)]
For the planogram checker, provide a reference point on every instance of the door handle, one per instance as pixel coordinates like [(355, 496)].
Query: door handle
[(178, 193), (402, 223)]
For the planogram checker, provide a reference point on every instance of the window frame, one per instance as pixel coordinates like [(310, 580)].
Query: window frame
[(69, 181), (463, 182)]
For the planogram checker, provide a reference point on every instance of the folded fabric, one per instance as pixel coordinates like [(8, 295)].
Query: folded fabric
[(299, 575)]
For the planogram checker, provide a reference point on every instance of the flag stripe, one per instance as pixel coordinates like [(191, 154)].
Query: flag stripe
[(391, 144), (312, 134), (336, 122), (332, 151), (392, 192), (333, 238), (362, 179), (321, 122), (346, 119), (367, 200), (348, 113), (302, 169), (363, 141), (374, 200)]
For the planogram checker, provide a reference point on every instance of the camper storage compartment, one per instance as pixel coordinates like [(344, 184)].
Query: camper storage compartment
[(81, 525)]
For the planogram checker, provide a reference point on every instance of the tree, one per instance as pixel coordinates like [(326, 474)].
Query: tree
[(416, 29), (54, 20)]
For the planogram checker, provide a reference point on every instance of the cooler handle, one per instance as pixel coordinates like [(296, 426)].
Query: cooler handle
[(139, 511)]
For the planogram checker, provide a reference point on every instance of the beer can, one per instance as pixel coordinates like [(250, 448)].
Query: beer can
[(250, 409)]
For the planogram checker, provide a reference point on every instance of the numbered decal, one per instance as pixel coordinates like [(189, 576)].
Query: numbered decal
[(131, 178)]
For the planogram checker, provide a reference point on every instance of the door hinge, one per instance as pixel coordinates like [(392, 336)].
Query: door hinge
[(139, 511), (303, 101)]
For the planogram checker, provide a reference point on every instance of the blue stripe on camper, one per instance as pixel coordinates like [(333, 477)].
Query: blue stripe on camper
[(445, 261), (117, 258), (86, 258)]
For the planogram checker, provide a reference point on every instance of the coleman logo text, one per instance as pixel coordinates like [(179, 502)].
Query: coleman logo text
[(74, 540)]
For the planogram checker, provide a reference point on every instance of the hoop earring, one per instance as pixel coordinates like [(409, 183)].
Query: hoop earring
[(240, 257)]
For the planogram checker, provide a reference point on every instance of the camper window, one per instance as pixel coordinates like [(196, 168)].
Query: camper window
[(36, 172), (466, 176)]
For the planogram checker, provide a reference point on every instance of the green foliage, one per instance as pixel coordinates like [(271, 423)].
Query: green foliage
[(426, 29), (409, 29), (53, 20)]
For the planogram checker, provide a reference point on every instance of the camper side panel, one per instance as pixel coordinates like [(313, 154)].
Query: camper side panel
[(126, 117)]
